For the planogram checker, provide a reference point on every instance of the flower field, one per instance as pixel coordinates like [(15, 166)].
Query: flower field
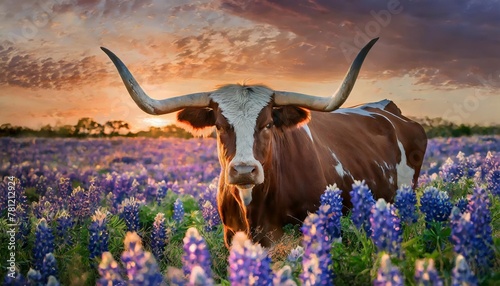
[(143, 212)]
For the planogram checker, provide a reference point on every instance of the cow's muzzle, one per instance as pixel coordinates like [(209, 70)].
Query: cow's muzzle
[(244, 174)]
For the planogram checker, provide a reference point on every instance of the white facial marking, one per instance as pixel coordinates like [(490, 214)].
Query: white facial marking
[(241, 106), (404, 172), (308, 131)]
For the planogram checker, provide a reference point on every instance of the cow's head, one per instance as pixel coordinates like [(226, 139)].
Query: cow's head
[(246, 119)]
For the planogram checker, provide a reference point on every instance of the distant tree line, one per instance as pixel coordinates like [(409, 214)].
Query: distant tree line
[(88, 128), (438, 127)]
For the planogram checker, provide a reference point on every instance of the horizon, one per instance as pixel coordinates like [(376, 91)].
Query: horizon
[(433, 59)]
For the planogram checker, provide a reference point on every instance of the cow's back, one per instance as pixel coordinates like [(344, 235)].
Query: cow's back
[(372, 142)]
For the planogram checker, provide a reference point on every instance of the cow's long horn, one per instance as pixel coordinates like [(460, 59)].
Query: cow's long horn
[(154, 106), (327, 103)]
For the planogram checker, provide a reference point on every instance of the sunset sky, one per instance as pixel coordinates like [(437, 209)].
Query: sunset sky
[(434, 58)]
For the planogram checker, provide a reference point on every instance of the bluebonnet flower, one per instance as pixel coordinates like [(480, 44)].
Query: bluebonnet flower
[(316, 258), (178, 214), (161, 191), (17, 279), (49, 267), (211, 216), (295, 256), (176, 277), (24, 224), (99, 236), (388, 274), (109, 270), (493, 181), (195, 252), (44, 209), (462, 274), (129, 211), (386, 228), (450, 171), (489, 163), (94, 195), (312, 272), (198, 277), (79, 204), (331, 211), (436, 205), (462, 231), (52, 281), (140, 265), (64, 188), (461, 204), (426, 274), (34, 277), (64, 224), (480, 215), (406, 204), (249, 264), (284, 277), (44, 243), (362, 201), (158, 236), (453, 171)]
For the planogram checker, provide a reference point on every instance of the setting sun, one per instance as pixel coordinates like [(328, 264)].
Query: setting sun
[(156, 121)]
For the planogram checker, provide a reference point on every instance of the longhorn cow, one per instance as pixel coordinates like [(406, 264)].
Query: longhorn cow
[(279, 150)]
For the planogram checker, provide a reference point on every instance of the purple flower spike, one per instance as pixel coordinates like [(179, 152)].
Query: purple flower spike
[(331, 211), (195, 253), (426, 274), (79, 204), (161, 191), (64, 224), (129, 211), (15, 279), (461, 230), (316, 258), (362, 201), (109, 271), (99, 236), (406, 203), (140, 265), (462, 274), (493, 181), (386, 228), (34, 277), (388, 274), (284, 277), (44, 243), (49, 267), (158, 236), (211, 216), (52, 281), (436, 205), (461, 204), (482, 240), (198, 277), (178, 215), (249, 264)]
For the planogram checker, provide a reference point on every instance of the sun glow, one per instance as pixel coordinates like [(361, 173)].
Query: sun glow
[(156, 121)]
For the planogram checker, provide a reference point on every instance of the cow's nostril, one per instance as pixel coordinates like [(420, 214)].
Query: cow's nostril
[(244, 169)]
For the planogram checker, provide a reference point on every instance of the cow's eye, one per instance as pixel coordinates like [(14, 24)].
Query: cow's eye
[(268, 126)]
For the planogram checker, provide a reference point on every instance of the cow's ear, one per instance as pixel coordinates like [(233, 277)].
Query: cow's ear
[(199, 121), (290, 116)]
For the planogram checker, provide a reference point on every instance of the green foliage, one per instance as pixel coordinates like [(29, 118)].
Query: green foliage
[(438, 127), (355, 261)]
